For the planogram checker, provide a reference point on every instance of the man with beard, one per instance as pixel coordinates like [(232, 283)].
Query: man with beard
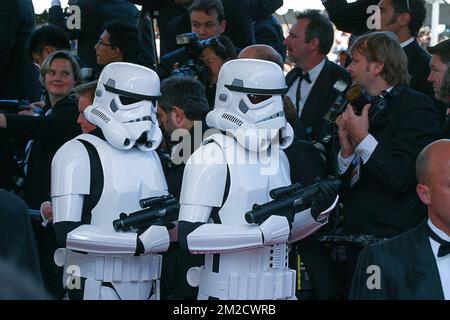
[(181, 112)]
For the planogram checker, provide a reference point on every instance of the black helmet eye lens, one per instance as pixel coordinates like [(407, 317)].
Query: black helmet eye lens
[(258, 98), (127, 100)]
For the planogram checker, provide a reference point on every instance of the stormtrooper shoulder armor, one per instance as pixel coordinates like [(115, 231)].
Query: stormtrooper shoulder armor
[(70, 170), (205, 176)]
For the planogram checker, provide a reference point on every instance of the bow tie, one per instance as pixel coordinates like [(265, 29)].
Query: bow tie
[(304, 76), (444, 247)]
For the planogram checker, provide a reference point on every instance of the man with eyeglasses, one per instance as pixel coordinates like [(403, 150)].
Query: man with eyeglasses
[(118, 43)]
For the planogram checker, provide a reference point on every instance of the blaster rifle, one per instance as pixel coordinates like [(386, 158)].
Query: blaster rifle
[(290, 199), (159, 211)]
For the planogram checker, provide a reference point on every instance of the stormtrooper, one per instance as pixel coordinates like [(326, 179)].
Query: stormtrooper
[(95, 177), (230, 172)]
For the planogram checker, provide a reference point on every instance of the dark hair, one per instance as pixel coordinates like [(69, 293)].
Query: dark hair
[(384, 47), (124, 36), (416, 10), (185, 93), (442, 49), (320, 27), (208, 6), (222, 47), (48, 35)]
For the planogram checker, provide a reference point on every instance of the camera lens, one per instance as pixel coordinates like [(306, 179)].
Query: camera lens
[(357, 97)]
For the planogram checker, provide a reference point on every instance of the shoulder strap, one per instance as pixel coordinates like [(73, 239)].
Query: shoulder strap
[(97, 181)]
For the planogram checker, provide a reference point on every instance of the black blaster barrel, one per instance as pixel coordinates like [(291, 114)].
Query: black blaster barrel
[(163, 211), (285, 200)]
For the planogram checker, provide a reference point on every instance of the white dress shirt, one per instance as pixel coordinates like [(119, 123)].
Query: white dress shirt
[(306, 87), (443, 263)]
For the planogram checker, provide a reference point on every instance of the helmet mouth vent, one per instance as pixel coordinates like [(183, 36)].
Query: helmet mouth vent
[(233, 119)]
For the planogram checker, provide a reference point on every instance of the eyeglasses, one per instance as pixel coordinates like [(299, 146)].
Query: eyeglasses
[(101, 43)]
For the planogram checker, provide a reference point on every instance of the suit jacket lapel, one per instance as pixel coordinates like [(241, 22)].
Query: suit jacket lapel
[(424, 279), (313, 105)]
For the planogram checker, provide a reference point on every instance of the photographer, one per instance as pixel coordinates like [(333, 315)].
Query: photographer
[(380, 146), (207, 20), (216, 51)]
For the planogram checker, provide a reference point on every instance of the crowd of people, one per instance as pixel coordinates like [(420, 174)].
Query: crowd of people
[(335, 153)]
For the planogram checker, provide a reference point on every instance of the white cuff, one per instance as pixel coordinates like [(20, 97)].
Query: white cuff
[(343, 164), (366, 147), (56, 3)]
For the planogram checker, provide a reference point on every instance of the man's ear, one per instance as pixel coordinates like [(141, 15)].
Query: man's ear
[(424, 193), (178, 116), (47, 50), (223, 26), (117, 53), (377, 67), (315, 43)]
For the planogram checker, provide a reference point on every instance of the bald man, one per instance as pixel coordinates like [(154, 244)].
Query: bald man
[(416, 264), (262, 52)]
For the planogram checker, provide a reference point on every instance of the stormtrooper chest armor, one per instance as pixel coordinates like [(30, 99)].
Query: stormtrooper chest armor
[(129, 176), (252, 175)]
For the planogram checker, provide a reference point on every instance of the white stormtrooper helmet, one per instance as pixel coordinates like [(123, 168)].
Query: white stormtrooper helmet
[(249, 104), (124, 106)]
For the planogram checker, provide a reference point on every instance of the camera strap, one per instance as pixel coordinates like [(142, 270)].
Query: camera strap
[(378, 114)]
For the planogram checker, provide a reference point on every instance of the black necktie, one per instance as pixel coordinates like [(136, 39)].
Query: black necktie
[(301, 76), (444, 247)]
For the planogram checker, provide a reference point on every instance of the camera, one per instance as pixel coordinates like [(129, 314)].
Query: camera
[(194, 66), (358, 98)]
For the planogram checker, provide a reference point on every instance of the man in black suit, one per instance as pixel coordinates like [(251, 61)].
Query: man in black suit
[(310, 82), (94, 14), (181, 113), (440, 78), (405, 18), (416, 264), (379, 148)]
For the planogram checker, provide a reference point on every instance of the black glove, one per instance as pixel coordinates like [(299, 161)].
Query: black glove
[(324, 198)]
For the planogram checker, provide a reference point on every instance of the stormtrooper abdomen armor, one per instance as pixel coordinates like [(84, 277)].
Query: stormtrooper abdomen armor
[(240, 267), (128, 176)]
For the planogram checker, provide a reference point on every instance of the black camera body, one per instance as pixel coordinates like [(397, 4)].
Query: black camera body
[(358, 98), (194, 66)]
